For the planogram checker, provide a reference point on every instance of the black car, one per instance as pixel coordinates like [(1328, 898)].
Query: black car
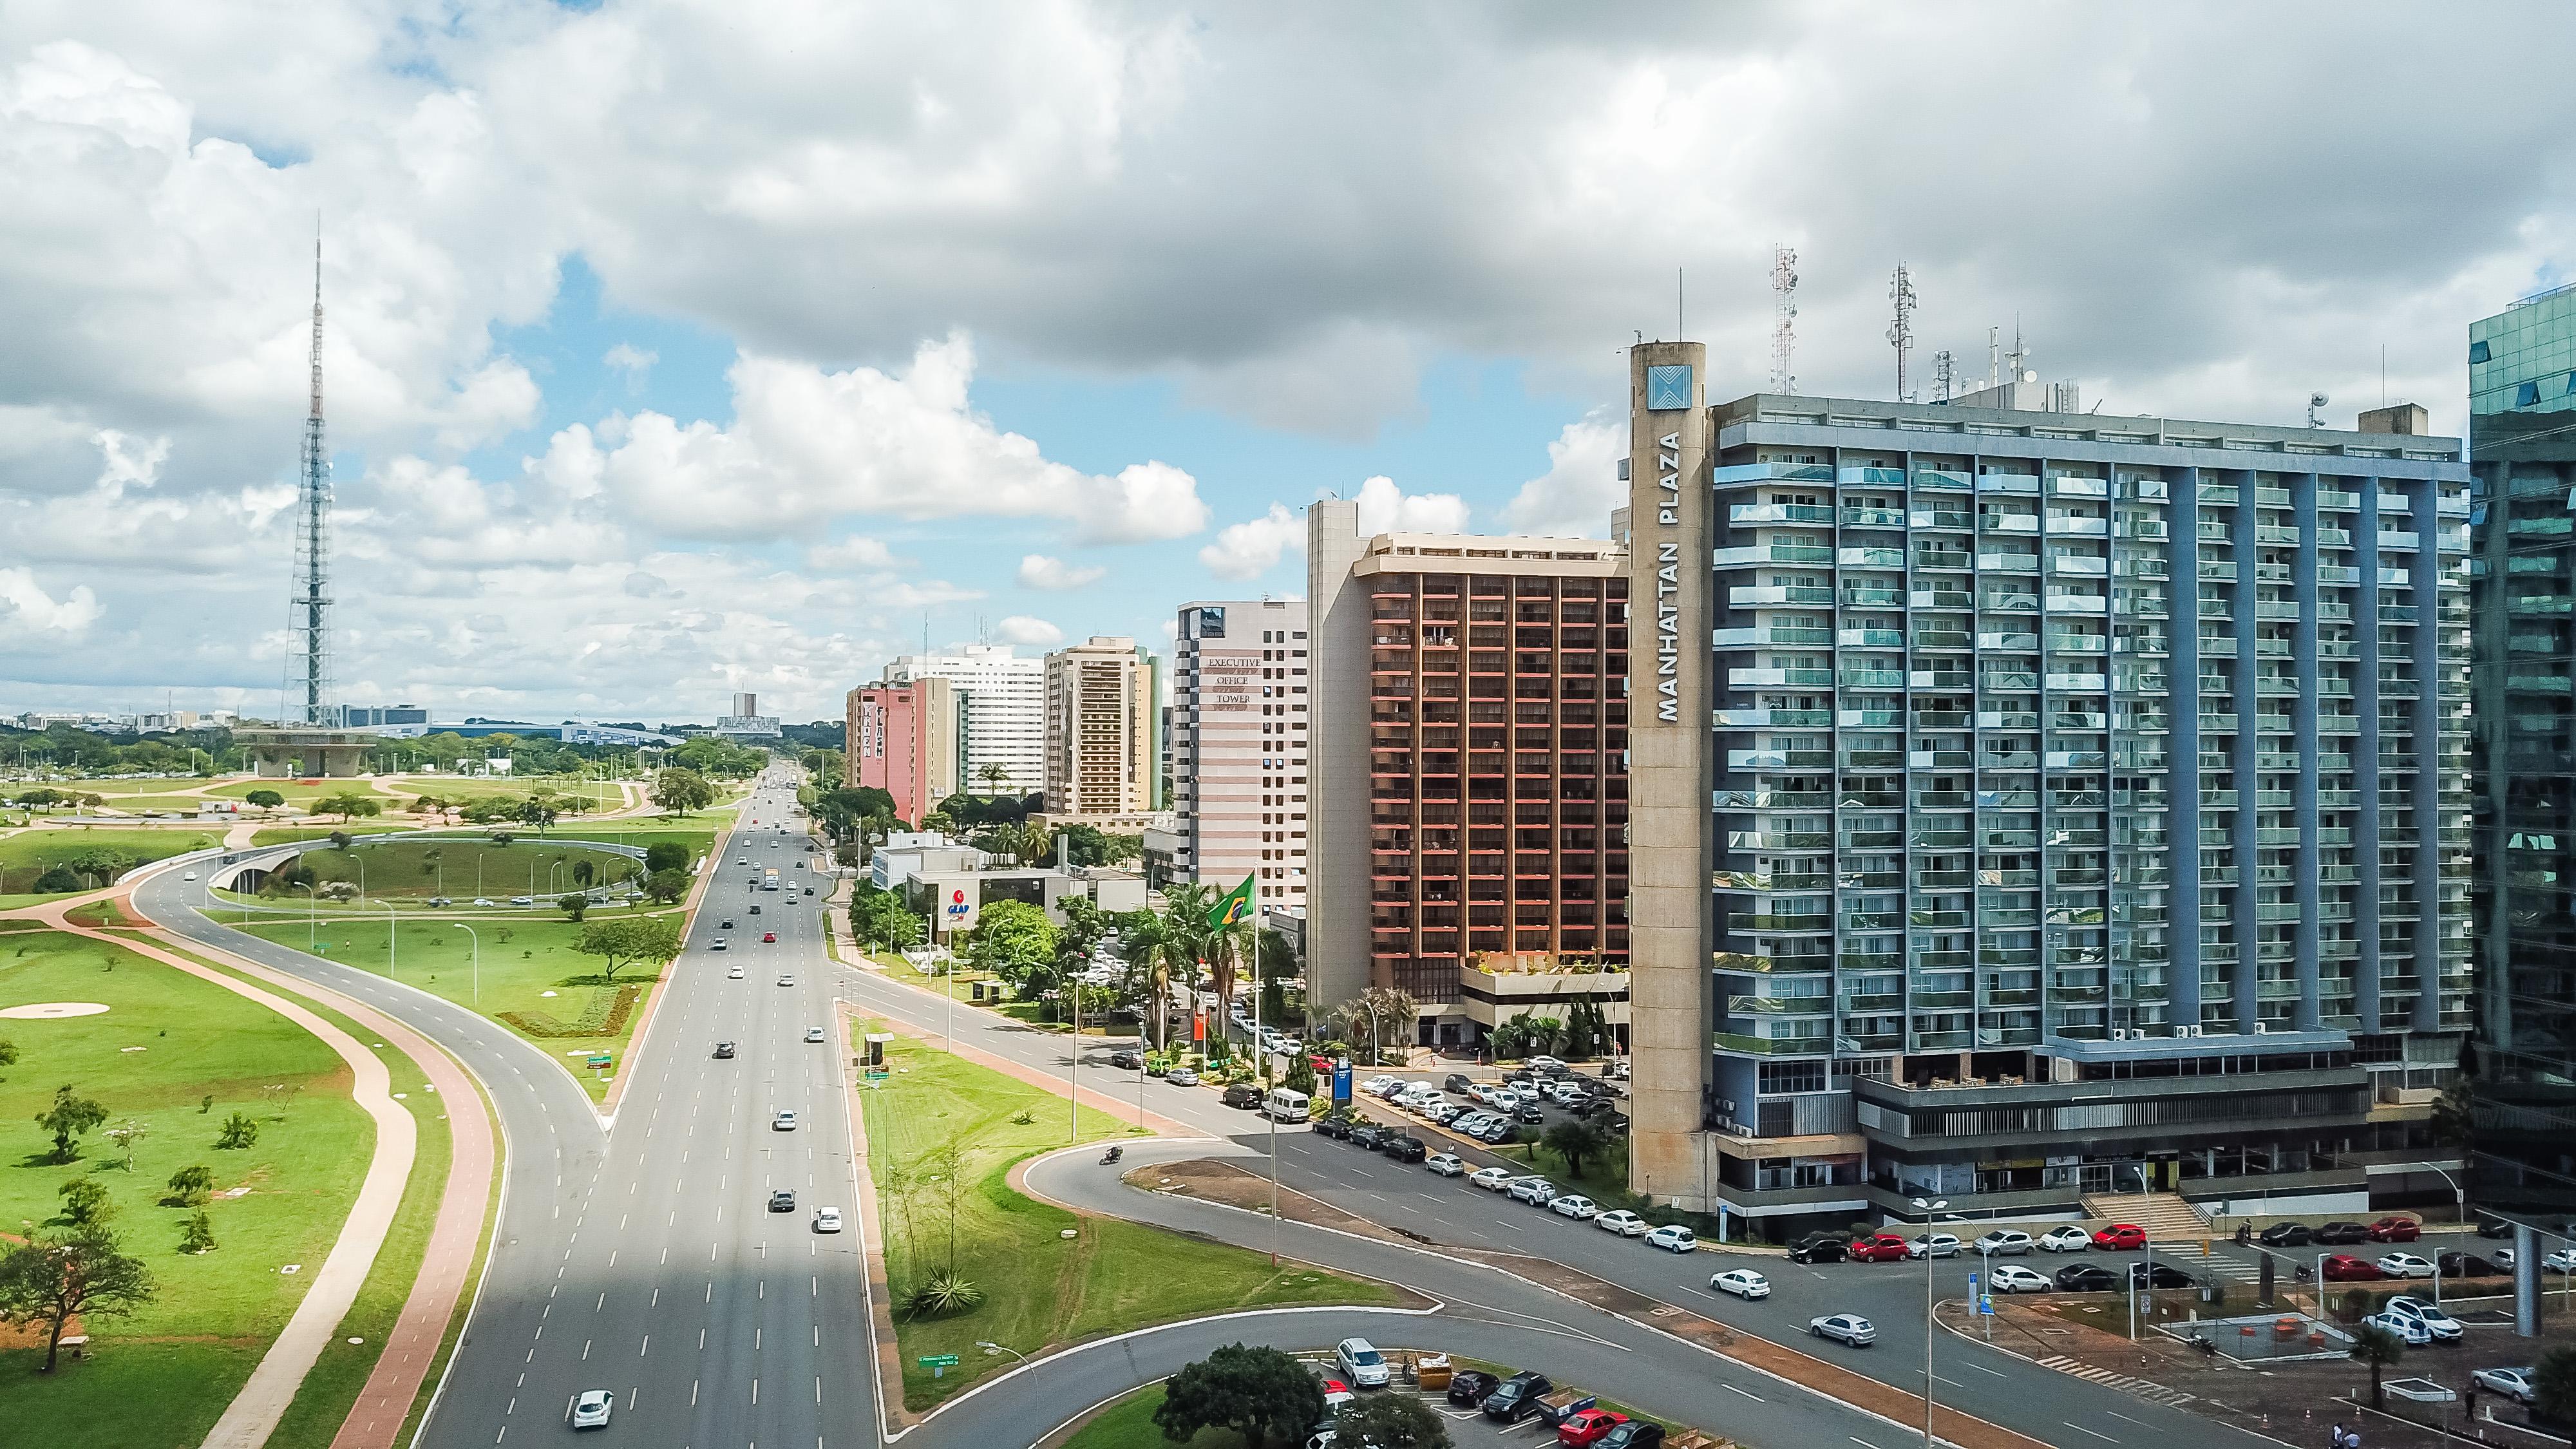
[(1592, 1106), (2468, 1265), (1519, 1075), (1243, 1095), (1615, 1122), (1527, 1113), (1468, 1387), (755, 909), (2160, 1275), (1403, 1148), (724, 1051), (1516, 1398), (1333, 1124), (809, 890), (1456, 1082), (1369, 1135), (782, 1201), (2286, 1235), (2087, 1278), (1820, 1248), (2342, 1233), (1127, 1060), (1634, 1434), (2494, 1228), (727, 926)]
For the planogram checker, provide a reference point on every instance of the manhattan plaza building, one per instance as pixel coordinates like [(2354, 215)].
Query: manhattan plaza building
[(2028, 806)]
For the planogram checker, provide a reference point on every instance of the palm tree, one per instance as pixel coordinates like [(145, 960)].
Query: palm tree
[(992, 774), (1230, 954), (1159, 953), (2378, 1347)]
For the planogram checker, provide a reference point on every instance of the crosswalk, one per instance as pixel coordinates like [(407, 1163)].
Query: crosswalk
[(2188, 1257), (2147, 1389)]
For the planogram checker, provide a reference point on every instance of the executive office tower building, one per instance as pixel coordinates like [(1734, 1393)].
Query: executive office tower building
[(2034, 805), (2522, 449), (1240, 688)]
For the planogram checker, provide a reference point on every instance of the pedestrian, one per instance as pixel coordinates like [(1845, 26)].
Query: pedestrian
[(2334, 1436)]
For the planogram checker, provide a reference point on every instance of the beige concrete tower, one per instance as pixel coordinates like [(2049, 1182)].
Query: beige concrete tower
[(1668, 769), (1337, 845)]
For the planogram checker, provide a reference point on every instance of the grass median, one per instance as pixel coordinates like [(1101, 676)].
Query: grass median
[(940, 1123), (28, 854)]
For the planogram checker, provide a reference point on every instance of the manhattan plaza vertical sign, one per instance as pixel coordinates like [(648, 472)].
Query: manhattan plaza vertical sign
[(1668, 389)]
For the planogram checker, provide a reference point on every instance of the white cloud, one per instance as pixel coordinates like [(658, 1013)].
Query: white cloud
[(1037, 571), (1573, 498), (631, 360), (32, 607), (858, 551), (1022, 629), (1249, 549), (807, 446), (1385, 508)]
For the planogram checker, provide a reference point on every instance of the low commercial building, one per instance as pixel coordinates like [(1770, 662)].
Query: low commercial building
[(949, 884)]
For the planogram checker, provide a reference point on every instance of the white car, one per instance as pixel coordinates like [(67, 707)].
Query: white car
[(1849, 1328), (717, 944), (1446, 1164), (783, 1122), (2441, 1325), (1673, 1238), (734, 975), (590, 1411), (2513, 1383), (1482, 1092), (188, 875), (813, 1033), (789, 979), (1376, 1086), (1621, 1221), (2415, 1334), (523, 900), (1575, 1206), (2406, 1265), (1444, 1113), (2068, 1239), (2562, 1261), (2014, 1278), (482, 900), (1536, 1191), (1360, 1360), (2006, 1242), (827, 1220), (1544, 1063), (1742, 1282), (742, 860), (1492, 1179), (1934, 1245)]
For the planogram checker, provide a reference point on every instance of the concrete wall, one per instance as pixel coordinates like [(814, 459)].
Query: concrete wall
[(1337, 844)]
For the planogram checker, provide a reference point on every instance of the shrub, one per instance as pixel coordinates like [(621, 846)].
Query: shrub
[(190, 1186), (943, 1295), (199, 1235), (238, 1132)]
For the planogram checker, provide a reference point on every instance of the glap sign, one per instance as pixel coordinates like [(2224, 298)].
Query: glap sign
[(1668, 388)]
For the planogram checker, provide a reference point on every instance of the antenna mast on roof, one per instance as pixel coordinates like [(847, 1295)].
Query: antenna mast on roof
[(1945, 374), (1900, 334), (1784, 334), (1994, 356)]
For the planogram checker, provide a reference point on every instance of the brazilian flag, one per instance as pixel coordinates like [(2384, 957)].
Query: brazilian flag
[(1232, 908)]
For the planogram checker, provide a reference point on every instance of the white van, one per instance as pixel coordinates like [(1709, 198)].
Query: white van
[(1285, 1104)]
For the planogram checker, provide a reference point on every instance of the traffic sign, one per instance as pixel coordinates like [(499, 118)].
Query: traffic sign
[(939, 1360)]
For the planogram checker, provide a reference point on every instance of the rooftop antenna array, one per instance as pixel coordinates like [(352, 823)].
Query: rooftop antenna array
[(2316, 405), (1784, 317), (1900, 333), (309, 601), (1945, 374), (1994, 356)]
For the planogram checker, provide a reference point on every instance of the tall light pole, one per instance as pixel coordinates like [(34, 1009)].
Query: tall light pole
[(312, 915), (2460, 1209), (477, 937), (1928, 1208)]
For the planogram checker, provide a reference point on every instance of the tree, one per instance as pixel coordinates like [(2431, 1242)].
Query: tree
[(1016, 942), (993, 775), (2453, 1122), (624, 942), (2553, 1383), (348, 805), (237, 1133), (190, 1186), (2378, 1347), (1257, 1392), (199, 1234), (1575, 1140), (85, 1203), (8, 1054), (665, 855), (1160, 950), (679, 790), (70, 1118), (125, 1134), (1390, 1421), (82, 1275), (263, 800), (583, 873), (58, 880), (1301, 1074), (341, 840), (573, 906), (537, 812), (667, 886)]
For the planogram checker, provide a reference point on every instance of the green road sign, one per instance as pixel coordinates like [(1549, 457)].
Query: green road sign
[(939, 1360)]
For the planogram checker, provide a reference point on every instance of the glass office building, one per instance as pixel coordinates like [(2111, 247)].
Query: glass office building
[(2522, 438)]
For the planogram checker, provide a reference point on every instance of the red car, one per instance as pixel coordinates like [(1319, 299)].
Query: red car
[(2120, 1237), (769, 935), (2396, 1230), (1587, 1425), (1879, 1248), (2345, 1268)]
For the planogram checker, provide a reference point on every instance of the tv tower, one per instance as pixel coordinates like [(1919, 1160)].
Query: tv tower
[(308, 604)]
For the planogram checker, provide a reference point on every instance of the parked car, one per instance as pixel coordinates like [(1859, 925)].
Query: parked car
[(2396, 1230), (1820, 1248), (590, 1411), (827, 1220), (2345, 1268), (1444, 1113), (2068, 1239), (1404, 1148), (1536, 1191), (2405, 1265), (1934, 1245), (2333, 1234), (2467, 1265), (1575, 1206), (1516, 1398), (2513, 1383), (1879, 1248), (2086, 1278), (1456, 1082), (1845, 1328), (1181, 1077), (2121, 1238), (2563, 1261), (1742, 1282), (1446, 1164), (1673, 1238), (1333, 1124), (1621, 1221), (1525, 1112), (1586, 1427), (1492, 1179), (1361, 1362), (1243, 1096), (1635, 1434), (2004, 1242), (2014, 1278), (2158, 1275), (2442, 1326), (1468, 1387), (2415, 1334), (1369, 1134), (2286, 1235)]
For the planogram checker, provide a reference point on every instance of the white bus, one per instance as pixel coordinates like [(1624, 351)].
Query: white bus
[(1285, 1104)]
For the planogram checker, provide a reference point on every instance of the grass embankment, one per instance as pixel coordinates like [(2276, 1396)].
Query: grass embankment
[(30, 853), (302, 793), (1042, 1288), (464, 867), (289, 834), (1128, 1423), (166, 1043), (486, 787)]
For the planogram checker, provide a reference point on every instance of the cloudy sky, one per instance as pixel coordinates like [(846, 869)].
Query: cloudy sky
[(671, 354)]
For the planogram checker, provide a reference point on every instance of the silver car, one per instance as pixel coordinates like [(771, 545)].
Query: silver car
[(1847, 1328)]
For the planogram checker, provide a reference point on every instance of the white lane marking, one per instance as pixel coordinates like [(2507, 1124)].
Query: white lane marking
[(1732, 1389), (2096, 1433)]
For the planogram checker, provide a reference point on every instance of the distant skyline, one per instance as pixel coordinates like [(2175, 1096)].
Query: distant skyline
[(668, 358)]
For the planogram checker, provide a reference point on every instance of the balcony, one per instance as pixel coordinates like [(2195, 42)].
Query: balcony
[(1749, 513)]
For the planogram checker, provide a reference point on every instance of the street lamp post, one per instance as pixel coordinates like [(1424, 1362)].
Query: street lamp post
[(1928, 1208), (312, 915), (477, 938), (2460, 1209)]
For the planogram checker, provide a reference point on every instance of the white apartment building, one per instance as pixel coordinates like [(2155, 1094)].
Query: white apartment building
[(1239, 714), (1003, 700)]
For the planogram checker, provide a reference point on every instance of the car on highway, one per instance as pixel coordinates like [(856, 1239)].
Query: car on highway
[(2087, 1278), (1516, 1398), (787, 978), (1820, 1248), (2408, 1331), (1673, 1238), (783, 1201), (1243, 1096), (2286, 1235), (1586, 1427), (813, 1033), (2513, 1383), (769, 936), (1468, 1387), (2014, 1278), (744, 859), (783, 1122), (1742, 1282), (2405, 1265), (1846, 1328), (717, 944), (2345, 1268), (1404, 1147), (1446, 1164), (590, 1410), (1361, 1362), (1879, 1248), (734, 975), (1575, 1206), (1621, 1221), (192, 875), (2442, 1326), (827, 1220), (2396, 1230), (755, 908), (2121, 1238), (724, 1051), (482, 900), (1492, 1179), (1127, 1059), (1536, 1191), (1181, 1077), (2068, 1239), (2004, 1242), (1934, 1245), (2341, 1234), (523, 900), (2159, 1275)]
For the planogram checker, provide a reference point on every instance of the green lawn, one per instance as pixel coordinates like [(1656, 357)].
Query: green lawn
[(30, 853), (465, 866), (484, 787), (522, 960), (1042, 1288), (289, 834), (163, 1376), (1128, 1423), (299, 793)]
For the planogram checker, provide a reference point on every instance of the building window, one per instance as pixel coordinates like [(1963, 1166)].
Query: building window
[(2478, 352), (2526, 395)]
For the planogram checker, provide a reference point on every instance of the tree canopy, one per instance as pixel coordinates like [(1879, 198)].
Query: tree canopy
[(680, 790), (83, 1274), (627, 940), (1260, 1393), (1016, 942)]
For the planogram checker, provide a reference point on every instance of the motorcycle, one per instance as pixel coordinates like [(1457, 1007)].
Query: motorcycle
[(2244, 1234), (1114, 1154)]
